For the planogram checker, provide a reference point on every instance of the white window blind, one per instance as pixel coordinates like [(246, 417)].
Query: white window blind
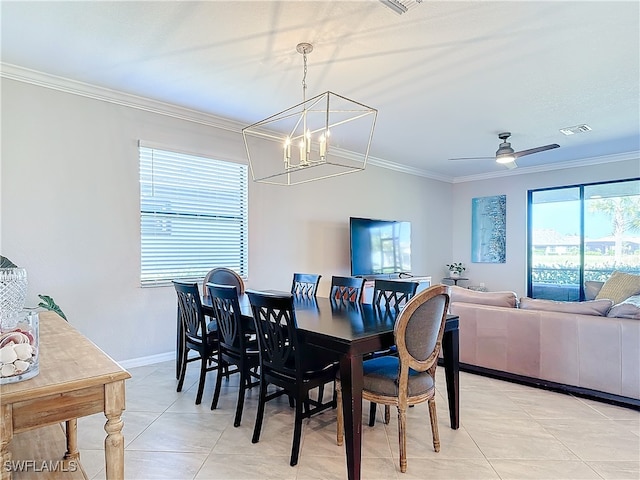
[(193, 216)]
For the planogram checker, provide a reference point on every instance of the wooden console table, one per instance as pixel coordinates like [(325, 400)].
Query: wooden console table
[(76, 379)]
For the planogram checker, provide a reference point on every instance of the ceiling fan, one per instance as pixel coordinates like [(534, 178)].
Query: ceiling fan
[(505, 155)]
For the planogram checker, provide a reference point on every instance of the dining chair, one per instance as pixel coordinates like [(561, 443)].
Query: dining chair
[(348, 289), (194, 335), (305, 284), (293, 370), (389, 295), (409, 378), (223, 276), (236, 347)]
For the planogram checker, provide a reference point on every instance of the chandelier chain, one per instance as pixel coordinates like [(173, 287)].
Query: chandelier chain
[(304, 78)]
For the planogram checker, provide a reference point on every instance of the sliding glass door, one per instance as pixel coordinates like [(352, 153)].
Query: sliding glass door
[(581, 233)]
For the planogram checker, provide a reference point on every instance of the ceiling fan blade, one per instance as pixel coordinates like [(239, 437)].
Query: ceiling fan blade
[(510, 165), (535, 150), (473, 158)]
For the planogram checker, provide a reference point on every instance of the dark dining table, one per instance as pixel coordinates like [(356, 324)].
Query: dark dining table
[(349, 331)]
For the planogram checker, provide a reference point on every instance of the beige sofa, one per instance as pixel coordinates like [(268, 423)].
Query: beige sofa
[(568, 346)]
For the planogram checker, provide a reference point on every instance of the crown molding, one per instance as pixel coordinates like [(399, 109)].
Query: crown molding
[(33, 77), (41, 79), (379, 162)]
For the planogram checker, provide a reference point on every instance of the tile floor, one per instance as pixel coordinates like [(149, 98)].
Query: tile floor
[(508, 431)]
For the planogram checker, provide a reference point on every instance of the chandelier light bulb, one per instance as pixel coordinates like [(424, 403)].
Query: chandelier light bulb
[(303, 154), (323, 147), (287, 152)]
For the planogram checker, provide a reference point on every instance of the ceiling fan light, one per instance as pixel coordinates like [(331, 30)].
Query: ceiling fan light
[(505, 154), (505, 158)]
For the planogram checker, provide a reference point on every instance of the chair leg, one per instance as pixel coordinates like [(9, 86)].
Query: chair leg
[(339, 414), (387, 414), (260, 412), (297, 433), (180, 347), (434, 424), (216, 393), (183, 368), (203, 376), (244, 375), (372, 414), (402, 437)]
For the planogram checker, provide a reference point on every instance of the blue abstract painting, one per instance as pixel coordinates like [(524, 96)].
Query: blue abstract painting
[(489, 229)]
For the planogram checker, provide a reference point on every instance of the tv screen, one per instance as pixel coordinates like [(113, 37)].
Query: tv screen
[(379, 247)]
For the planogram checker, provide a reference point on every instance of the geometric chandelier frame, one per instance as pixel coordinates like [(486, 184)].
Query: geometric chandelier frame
[(321, 137)]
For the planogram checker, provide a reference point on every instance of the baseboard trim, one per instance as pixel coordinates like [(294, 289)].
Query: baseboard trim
[(149, 360), (604, 397)]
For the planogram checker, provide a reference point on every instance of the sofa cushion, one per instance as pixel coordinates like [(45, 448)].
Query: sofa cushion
[(629, 308), (496, 299), (619, 287), (591, 289), (590, 307)]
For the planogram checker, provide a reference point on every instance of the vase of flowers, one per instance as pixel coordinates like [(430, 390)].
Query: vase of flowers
[(456, 269)]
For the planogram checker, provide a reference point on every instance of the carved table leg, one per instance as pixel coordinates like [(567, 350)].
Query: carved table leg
[(114, 443), (71, 430)]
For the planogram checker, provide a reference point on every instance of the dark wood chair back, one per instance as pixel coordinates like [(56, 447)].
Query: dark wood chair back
[(392, 293), (275, 322), (232, 336), (305, 284), (348, 289), (190, 310)]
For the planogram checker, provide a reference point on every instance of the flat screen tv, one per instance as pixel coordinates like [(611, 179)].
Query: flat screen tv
[(379, 247)]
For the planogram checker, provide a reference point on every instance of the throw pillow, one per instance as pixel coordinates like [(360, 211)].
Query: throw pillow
[(591, 289), (619, 287), (630, 308), (496, 299), (590, 307)]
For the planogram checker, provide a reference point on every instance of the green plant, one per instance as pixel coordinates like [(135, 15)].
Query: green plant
[(456, 267), (6, 263), (47, 302)]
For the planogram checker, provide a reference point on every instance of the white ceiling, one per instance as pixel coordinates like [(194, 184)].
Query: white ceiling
[(446, 77)]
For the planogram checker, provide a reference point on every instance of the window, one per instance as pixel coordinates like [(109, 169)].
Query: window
[(193, 216), (581, 233)]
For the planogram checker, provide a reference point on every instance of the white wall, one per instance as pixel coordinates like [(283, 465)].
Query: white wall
[(70, 213), (512, 274)]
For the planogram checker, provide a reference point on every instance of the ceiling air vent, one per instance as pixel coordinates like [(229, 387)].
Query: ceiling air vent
[(400, 6), (577, 129)]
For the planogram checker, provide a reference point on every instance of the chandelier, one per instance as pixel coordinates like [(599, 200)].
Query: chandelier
[(322, 137)]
